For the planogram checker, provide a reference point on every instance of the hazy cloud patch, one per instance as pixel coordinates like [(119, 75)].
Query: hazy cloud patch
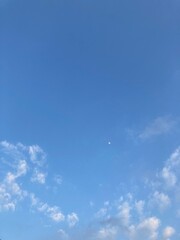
[(158, 126)]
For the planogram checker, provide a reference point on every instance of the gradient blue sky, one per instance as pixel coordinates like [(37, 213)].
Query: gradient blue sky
[(89, 120)]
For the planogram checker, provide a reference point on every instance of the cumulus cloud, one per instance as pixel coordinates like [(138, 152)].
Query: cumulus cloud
[(114, 228), (26, 164), (10, 192), (52, 212), (38, 177), (171, 171), (72, 219), (160, 200), (6, 201), (124, 213), (147, 229), (37, 155), (130, 218), (16, 162), (22, 168), (55, 214), (131, 229), (168, 232), (16, 152), (107, 233), (169, 176)]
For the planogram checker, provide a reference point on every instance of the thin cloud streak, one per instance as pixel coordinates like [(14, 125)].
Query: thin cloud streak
[(159, 126)]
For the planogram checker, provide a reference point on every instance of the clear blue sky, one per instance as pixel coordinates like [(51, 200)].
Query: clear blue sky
[(89, 120)]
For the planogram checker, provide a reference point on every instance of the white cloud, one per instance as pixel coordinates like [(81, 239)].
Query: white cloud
[(124, 213), (22, 168), (107, 233), (147, 229), (6, 202), (174, 159), (17, 152), (161, 200), (10, 192), (131, 219), (12, 186), (72, 219), (171, 171), (168, 232), (143, 219), (169, 177), (114, 228), (9, 206), (55, 214), (159, 126), (62, 234), (37, 155), (38, 177), (25, 164), (52, 212), (34, 199), (23, 159), (101, 213), (8, 146)]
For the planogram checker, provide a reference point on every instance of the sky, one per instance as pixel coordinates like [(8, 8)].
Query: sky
[(89, 120)]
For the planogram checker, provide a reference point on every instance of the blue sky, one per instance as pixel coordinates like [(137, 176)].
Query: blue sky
[(90, 120)]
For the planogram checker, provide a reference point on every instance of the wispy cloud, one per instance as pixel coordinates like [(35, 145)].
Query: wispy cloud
[(171, 170), (36, 154), (10, 190), (131, 218), (38, 176), (26, 163), (160, 200), (51, 211), (72, 219), (58, 179), (158, 126)]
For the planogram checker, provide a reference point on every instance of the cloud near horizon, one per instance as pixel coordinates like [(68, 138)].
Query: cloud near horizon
[(128, 217), (20, 162)]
